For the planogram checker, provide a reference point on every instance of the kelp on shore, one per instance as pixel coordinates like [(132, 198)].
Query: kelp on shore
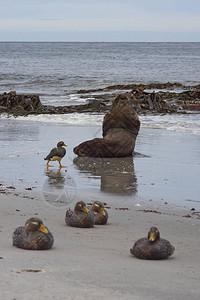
[(169, 98)]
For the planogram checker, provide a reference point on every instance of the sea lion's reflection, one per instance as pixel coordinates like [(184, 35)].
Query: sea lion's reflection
[(117, 174)]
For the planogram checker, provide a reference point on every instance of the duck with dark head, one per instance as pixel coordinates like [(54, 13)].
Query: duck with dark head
[(152, 247), (80, 217), (56, 153), (100, 214), (33, 236)]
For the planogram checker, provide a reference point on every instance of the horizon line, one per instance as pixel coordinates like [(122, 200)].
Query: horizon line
[(13, 41)]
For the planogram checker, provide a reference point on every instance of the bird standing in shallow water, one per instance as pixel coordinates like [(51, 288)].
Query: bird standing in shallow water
[(56, 153), (33, 236), (152, 247), (100, 214), (80, 217)]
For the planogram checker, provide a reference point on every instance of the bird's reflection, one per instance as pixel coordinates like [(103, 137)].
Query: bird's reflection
[(55, 178), (117, 174), (59, 188)]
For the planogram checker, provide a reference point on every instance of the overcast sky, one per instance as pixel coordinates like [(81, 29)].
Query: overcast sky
[(100, 20)]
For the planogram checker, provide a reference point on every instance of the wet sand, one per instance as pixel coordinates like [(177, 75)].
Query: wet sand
[(168, 171), (160, 190)]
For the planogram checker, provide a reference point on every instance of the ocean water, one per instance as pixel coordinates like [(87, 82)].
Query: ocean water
[(60, 69), (57, 71)]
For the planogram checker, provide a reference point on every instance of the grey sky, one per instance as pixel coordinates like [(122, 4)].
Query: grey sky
[(100, 20)]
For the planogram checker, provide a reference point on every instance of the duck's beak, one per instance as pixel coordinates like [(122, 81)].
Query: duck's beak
[(102, 211), (85, 209), (43, 229), (65, 145), (152, 237)]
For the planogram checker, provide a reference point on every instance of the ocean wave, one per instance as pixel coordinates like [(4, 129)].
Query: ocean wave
[(65, 119), (63, 99), (188, 123)]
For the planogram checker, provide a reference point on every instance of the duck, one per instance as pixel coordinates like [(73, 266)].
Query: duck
[(80, 217), (152, 247), (56, 153), (100, 214), (33, 236)]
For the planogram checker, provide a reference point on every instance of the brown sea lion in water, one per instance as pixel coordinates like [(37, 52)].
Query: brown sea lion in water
[(120, 129)]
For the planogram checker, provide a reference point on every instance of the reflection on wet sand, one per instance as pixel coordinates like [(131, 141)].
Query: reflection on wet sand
[(59, 189), (117, 174), (55, 178)]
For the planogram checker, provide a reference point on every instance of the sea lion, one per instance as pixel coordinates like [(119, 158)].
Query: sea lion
[(120, 129)]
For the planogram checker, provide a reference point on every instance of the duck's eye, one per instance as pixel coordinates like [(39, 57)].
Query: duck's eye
[(34, 223)]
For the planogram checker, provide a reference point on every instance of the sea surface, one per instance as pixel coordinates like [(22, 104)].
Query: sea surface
[(57, 71), (60, 69)]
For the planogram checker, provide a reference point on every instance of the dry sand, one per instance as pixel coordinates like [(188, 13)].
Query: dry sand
[(96, 263)]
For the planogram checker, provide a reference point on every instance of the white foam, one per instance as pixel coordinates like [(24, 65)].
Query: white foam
[(85, 119), (71, 99), (182, 123), (189, 123), (176, 90), (75, 98)]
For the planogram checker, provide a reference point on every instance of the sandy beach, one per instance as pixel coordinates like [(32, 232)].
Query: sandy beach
[(158, 188), (96, 262)]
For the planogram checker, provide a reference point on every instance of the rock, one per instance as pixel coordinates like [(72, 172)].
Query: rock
[(142, 101), (26, 102), (120, 129), (167, 85)]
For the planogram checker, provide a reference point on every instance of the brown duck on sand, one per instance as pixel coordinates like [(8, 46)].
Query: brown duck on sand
[(152, 247), (100, 214), (33, 236), (80, 217)]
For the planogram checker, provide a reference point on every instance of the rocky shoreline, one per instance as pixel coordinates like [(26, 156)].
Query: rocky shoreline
[(170, 98)]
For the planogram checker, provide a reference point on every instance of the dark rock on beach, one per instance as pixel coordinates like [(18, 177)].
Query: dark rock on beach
[(162, 101), (143, 98), (165, 101), (167, 85), (24, 102), (120, 129)]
